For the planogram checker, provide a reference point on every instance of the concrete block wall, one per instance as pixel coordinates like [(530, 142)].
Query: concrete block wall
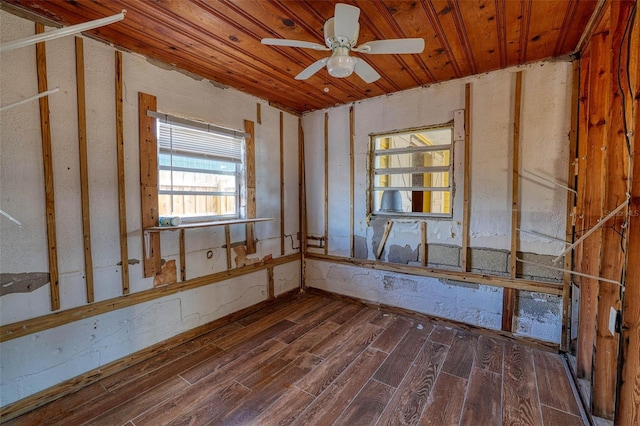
[(545, 123)]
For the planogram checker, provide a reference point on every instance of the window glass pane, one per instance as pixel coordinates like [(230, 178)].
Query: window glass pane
[(197, 205), (406, 201), (409, 162), (407, 180)]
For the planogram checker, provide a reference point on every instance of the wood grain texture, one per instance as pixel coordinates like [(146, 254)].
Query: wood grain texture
[(366, 408), (84, 169), (393, 370), (392, 335), (326, 183), (444, 405), (466, 203), (220, 41), (183, 257), (282, 216), (47, 163), (629, 408), (461, 355), (250, 176), (148, 152), (494, 280), (521, 405), (489, 354), (553, 383), (483, 403), (262, 377), (551, 416), (406, 405), (352, 173), (122, 196)]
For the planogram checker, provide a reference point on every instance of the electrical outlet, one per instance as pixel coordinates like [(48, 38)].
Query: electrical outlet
[(613, 315)]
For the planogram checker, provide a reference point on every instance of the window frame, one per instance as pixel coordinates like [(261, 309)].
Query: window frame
[(240, 173), (373, 153)]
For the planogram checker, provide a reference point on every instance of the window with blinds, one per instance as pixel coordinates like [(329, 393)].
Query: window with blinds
[(412, 172), (200, 174)]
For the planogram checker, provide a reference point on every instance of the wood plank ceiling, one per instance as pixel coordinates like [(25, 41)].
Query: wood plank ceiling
[(220, 39)]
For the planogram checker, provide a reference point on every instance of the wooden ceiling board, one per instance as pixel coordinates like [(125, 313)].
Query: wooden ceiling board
[(480, 22), (220, 39)]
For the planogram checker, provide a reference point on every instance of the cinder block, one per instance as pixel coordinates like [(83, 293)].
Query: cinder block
[(438, 254), (535, 272), (489, 260)]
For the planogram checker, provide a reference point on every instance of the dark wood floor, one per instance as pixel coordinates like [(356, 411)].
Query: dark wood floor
[(312, 360)]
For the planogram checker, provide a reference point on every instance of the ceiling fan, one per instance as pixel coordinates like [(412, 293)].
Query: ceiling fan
[(341, 36)]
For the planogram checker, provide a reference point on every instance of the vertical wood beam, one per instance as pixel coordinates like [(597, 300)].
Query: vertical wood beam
[(84, 169), (270, 284), (464, 262), (302, 207), (258, 113), (423, 243), (47, 157), (593, 202), (509, 294), (571, 199), (615, 178), (352, 172), (281, 183), (148, 152), (183, 257), (250, 170), (227, 238), (628, 412), (326, 183), (122, 196)]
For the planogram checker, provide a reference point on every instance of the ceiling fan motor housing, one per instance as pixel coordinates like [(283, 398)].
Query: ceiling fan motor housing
[(341, 40)]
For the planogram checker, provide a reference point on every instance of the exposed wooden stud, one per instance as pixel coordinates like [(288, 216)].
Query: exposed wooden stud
[(599, 101), (515, 177), (34, 325), (281, 183), (571, 200), (47, 157), (183, 257), (84, 169), (615, 181), (467, 277), (250, 170), (383, 240), (326, 182), (227, 238), (258, 113), (423, 243), (122, 197), (509, 295), (302, 206), (466, 208), (270, 284), (352, 173), (629, 384), (148, 152)]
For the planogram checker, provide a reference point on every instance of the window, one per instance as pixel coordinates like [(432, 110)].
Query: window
[(200, 172), (412, 172)]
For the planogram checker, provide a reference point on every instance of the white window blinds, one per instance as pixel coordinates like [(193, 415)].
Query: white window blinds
[(206, 141)]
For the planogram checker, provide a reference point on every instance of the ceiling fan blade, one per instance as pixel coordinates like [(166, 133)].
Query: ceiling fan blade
[(312, 69), (395, 46), (293, 43), (345, 20), (366, 71)]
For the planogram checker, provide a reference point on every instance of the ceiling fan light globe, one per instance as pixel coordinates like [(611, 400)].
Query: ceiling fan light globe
[(341, 66)]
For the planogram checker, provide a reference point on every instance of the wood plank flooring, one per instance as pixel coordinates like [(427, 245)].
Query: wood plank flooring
[(315, 361)]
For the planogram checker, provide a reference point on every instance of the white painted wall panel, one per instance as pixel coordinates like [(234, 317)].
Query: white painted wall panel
[(78, 347)]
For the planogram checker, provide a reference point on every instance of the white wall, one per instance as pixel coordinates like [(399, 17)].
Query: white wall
[(37, 361), (544, 150)]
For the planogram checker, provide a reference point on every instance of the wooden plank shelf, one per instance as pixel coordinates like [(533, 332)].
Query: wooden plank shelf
[(206, 224)]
